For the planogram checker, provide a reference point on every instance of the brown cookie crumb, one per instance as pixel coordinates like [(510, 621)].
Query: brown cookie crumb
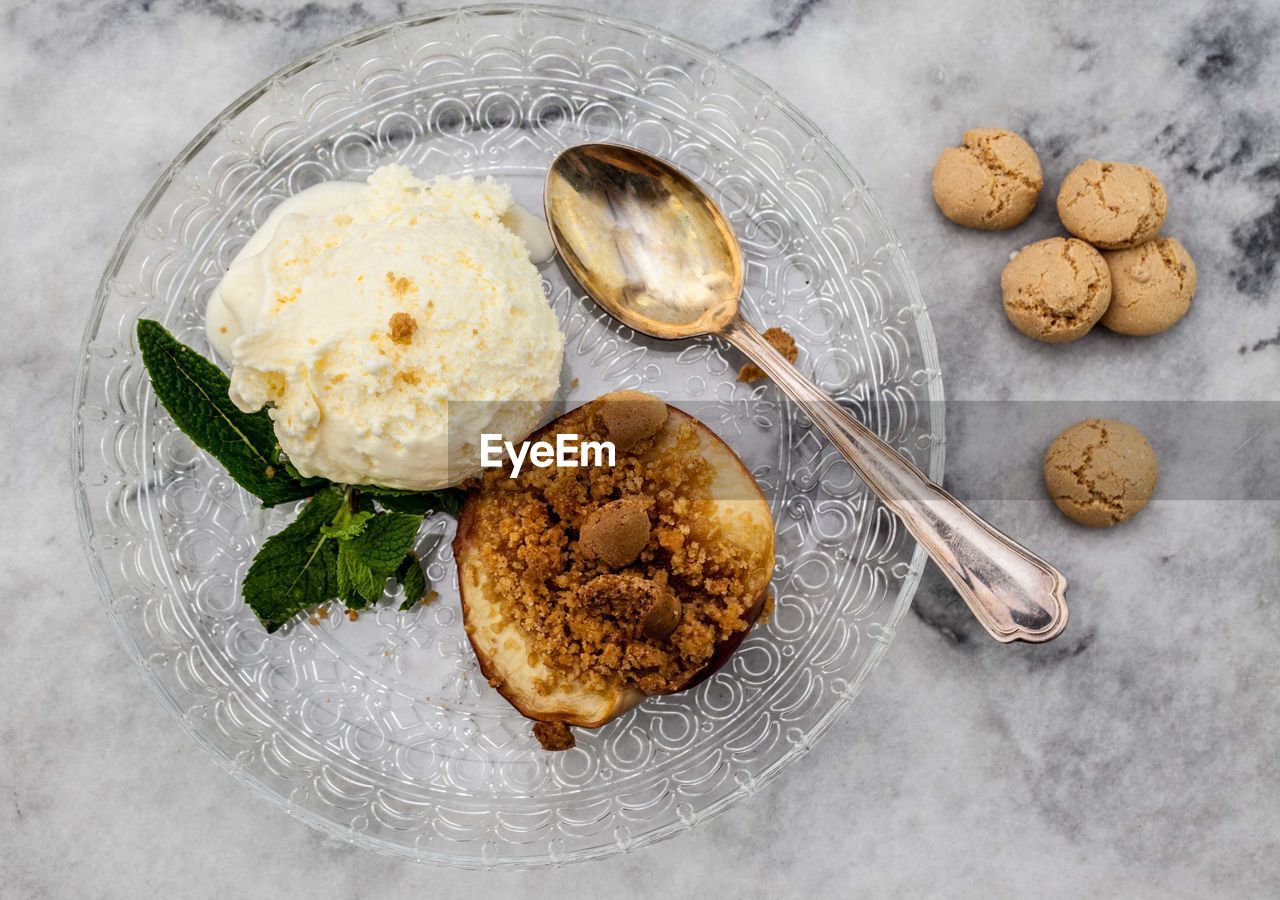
[(662, 617), (779, 340), (630, 417), (554, 736), (400, 285), (616, 532), (403, 326), (647, 607)]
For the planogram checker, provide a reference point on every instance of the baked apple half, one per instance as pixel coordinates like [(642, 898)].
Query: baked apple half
[(586, 589)]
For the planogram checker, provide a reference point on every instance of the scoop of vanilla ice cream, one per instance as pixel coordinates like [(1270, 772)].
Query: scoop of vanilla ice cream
[(386, 326)]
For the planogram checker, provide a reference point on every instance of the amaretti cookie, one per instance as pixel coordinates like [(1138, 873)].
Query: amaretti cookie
[(1151, 286), (1055, 290), (1100, 472), (1112, 205), (991, 181)]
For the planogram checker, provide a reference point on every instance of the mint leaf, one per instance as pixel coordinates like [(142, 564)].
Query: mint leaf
[(347, 524), (357, 583), (418, 503), (194, 391), (366, 560), (414, 581), (385, 541), (297, 568)]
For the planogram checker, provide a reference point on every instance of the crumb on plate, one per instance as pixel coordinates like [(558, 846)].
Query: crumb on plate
[(780, 341)]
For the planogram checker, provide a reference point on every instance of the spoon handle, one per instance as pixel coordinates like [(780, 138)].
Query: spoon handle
[(1015, 595)]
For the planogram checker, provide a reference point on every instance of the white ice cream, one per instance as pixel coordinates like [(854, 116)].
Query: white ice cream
[(387, 325)]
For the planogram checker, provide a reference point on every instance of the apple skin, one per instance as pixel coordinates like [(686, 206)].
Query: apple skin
[(499, 649), (726, 648)]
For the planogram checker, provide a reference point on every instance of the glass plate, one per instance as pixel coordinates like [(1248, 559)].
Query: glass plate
[(381, 731)]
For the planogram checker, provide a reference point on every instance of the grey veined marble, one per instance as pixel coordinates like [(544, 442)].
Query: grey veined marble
[(1137, 755)]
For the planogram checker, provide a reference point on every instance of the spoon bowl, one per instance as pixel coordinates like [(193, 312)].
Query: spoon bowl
[(646, 242)]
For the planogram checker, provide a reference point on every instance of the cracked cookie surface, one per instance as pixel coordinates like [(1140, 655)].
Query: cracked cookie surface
[(991, 181), (1100, 472), (1055, 290), (1112, 205), (1151, 286)]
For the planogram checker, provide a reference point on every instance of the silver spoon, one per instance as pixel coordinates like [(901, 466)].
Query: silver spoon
[(655, 251)]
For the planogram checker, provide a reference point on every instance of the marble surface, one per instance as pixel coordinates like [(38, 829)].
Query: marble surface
[(1136, 755)]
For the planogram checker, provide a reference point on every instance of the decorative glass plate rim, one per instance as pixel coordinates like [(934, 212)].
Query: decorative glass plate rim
[(928, 347)]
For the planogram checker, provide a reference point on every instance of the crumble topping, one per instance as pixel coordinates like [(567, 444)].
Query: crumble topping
[(403, 326), (651, 623), (400, 284), (554, 736)]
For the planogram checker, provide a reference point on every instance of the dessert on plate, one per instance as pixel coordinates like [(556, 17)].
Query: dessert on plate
[(380, 336), (586, 589)]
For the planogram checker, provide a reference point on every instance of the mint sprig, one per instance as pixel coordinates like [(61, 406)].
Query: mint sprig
[(296, 569), (366, 560), (194, 392), (345, 543)]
